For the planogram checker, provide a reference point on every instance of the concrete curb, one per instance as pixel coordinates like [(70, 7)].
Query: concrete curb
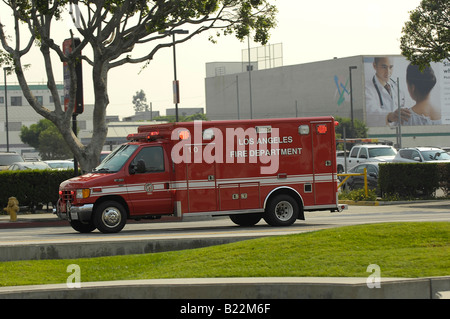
[(92, 249), (240, 288), (391, 203)]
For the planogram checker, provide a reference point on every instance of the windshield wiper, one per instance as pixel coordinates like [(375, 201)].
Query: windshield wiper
[(102, 170)]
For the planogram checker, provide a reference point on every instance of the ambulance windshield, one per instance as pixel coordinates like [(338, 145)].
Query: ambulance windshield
[(114, 161)]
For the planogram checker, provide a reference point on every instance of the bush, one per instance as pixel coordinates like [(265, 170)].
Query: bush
[(412, 180), (32, 187), (444, 177), (359, 195)]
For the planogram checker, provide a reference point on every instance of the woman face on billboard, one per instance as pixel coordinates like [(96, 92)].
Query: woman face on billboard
[(420, 83)]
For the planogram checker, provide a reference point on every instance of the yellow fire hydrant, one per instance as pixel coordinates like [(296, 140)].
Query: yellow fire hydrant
[(12, 208)]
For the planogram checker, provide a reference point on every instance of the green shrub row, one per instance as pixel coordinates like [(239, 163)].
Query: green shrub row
[(32, 187), (413, 180)]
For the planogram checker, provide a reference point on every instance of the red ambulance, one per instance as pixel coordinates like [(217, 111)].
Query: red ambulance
[(275, 169)]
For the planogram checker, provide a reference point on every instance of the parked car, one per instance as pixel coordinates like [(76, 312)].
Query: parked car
[(446, 148), (18, 166), (59, 164), (6, 159), (356, 182), (421, 154), (366, 153)]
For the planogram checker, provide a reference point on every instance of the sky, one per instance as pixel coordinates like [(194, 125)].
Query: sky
[(309, 31)]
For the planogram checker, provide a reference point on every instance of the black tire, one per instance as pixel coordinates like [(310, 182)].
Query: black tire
[(282, 210), (246, 220), (82, 227), (110, 217)]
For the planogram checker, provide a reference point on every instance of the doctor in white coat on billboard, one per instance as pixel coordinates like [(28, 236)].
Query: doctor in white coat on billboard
[(382, 95)]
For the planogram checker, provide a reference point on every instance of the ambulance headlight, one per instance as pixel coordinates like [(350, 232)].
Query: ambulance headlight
[(83, 193)]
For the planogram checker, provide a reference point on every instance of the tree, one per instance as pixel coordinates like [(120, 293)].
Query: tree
[(426, 36), (139, 101), (111, 30), (359, 128), (45, 138)]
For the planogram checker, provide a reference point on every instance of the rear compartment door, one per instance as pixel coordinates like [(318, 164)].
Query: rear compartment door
[(201, 181), (324, 159), (239, 196)]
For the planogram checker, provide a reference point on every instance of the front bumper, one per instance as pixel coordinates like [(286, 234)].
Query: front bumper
[(82, 213)]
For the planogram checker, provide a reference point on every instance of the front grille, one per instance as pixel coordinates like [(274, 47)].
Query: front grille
[(66, 196)]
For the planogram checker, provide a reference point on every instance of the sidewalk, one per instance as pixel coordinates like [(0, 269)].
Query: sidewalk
[(39, 219)]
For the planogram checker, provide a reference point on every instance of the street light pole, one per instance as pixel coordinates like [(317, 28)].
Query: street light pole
[(6, 69), (176, 93), (250, 78), (350, 68)]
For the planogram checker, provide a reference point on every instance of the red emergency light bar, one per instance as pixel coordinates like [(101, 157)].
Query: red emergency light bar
[(144, 136)]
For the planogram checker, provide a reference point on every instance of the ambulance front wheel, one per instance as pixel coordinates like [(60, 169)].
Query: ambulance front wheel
[(82, 227), (282, 210), (110, 217)]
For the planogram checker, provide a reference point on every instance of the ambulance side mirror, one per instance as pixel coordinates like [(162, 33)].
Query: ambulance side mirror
[(137, 168), (140, 166), (132, 169)]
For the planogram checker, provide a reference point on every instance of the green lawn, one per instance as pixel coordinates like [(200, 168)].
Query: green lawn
[(400, 250)]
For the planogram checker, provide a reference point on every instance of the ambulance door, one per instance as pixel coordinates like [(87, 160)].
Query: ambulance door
[(148, 182), (323, 161)]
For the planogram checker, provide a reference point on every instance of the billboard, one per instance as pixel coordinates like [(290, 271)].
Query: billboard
[(423, 96)]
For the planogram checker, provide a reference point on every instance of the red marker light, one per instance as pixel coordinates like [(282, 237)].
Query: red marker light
[(322, 128), (184, 135)]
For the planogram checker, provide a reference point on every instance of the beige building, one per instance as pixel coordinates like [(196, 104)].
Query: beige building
[(20, 113), (339, 87)]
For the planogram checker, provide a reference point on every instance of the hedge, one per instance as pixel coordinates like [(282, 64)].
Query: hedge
[(413, 180), (32, 187)]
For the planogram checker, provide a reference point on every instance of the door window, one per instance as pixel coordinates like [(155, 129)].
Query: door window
[(149, 160), (363, 153), (354, 152)]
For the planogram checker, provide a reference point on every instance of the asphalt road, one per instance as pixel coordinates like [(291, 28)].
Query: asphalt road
[(223, 227)]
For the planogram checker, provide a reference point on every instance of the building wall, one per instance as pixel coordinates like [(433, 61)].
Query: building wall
[(303, 90), (25, 115), (185, 111), (312, 89)]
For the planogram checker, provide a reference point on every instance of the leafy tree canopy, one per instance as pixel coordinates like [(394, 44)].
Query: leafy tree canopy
[(426, 36), (45, 137), (140, 101), (109, 33), (359, 128)]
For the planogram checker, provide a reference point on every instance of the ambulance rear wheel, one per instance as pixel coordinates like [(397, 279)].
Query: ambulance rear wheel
[(282, 210), (246, 220), (110, 217)]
